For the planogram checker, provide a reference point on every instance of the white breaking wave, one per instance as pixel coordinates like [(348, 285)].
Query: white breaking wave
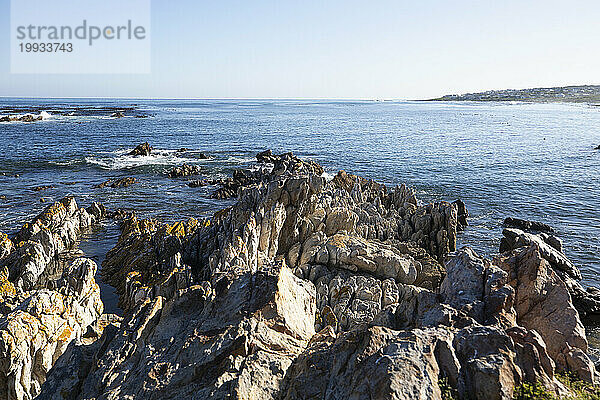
[(121, 159), (328, 177)]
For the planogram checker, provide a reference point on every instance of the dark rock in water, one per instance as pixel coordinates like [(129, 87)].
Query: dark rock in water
[(143, 149), (265, 156), (185, 170), (2, 197), (462, 215), (141, 116), (5, 118), (598, 148), (201, 156), (121, 214), (198, 183), (30, 118), (117, 183), (526, 225), (17, 175), (43, 187), (117, 114)]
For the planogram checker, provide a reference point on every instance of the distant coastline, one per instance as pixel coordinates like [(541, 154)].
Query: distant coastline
[(565, 94)]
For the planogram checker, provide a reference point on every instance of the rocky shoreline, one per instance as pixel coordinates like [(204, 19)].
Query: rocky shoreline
[(304, 288)]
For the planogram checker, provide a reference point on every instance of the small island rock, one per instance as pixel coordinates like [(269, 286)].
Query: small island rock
[(143, 149)]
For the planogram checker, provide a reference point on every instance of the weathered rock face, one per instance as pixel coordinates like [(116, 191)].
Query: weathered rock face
[(37, 326), (374, 363), (515, 238), (38, 244), (45, 303), (6, 246), (543, 304), (550, 247), (478, 289), (233, 337)]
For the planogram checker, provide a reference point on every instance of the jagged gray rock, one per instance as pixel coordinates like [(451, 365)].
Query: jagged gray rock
[(38, 243), (587, 301), (229, 307), (516, 238), (39, 326)]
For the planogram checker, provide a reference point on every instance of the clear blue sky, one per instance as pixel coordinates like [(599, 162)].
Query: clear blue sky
[(343, 49)]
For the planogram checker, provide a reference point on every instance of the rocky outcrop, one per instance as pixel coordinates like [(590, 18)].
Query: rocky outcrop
[(143, 149), (30, 118), (270, 167), (314, 288), (185, 170), (462, 215), (47, 300), (527, 225), (587, 301), (40, 324), (208, 340), (542, 303), (38, 244), (117, 183), (550, 247)]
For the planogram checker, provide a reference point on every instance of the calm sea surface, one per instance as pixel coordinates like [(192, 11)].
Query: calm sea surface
[(534, 161)]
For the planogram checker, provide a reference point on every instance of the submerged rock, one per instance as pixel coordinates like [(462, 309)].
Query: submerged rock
[(143, 149), (198, 183), (117, 183), (185, 170), (43, 187)]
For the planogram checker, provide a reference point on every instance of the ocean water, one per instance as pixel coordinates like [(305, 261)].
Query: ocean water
[(534, 161)]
